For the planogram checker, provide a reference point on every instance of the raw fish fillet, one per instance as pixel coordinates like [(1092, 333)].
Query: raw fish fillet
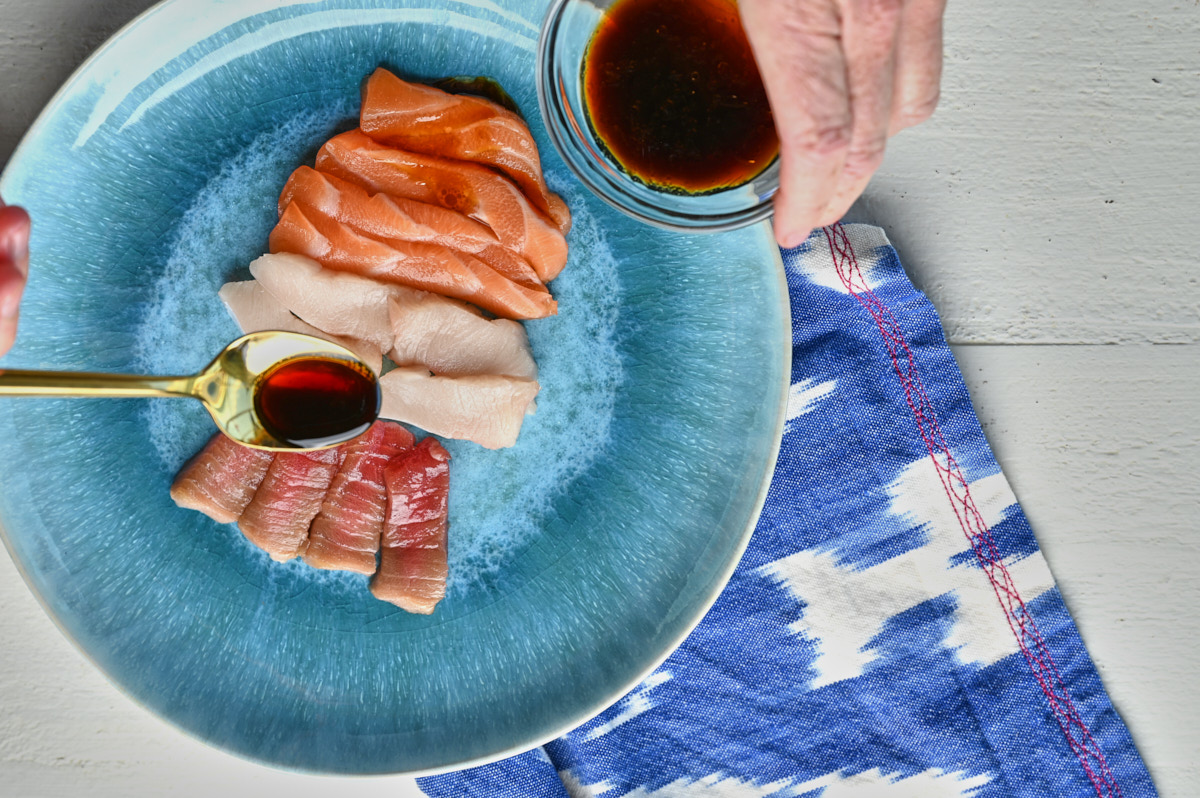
[(288, 499), (254, 308), (396, 219), (468, 188), (339, 303), (511, 265), (487, 409), (221, 479), (452, 341), (412, 559), (345, 534), (305, 231), (424, 119)]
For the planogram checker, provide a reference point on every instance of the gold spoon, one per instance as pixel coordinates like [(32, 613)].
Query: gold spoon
[(268, 390)]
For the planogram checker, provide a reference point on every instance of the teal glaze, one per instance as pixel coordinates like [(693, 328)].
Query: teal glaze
[(580, 557)]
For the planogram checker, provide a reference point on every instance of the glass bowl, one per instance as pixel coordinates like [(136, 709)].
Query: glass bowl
[(562, 47)]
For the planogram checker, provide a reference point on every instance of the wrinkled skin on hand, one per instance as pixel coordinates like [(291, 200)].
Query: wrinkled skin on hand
[(842, 76), (14, 266)]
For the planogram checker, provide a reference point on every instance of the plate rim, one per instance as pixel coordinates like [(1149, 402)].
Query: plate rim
[(782, 308)]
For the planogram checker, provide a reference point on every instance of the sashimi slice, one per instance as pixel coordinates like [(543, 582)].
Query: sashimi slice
[(425, 119), (487, 409), (221, 479), (385, 216), (451, 341), (412, 559), (470, 189), (512, 266), (304, 231), (254, 308), (345, 534), (288, 499), (389, 219), (337, 302)]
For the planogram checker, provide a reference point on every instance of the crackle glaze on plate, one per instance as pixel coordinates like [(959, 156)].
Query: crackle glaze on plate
[(579, 558)]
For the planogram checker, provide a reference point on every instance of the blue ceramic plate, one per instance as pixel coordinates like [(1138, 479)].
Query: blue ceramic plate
[(579, 558)]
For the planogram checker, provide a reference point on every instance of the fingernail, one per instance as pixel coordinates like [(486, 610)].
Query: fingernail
[(795, 239), (10, 304)]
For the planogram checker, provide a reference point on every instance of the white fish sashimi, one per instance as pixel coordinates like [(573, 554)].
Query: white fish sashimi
[(337, 302), (452, 340), (485, 408), (254, 309)]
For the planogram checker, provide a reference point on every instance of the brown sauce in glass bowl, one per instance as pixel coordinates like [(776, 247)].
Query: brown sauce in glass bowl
[(673, 93)]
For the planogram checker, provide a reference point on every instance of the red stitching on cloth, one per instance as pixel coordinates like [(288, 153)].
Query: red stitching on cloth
[(1025, 629)]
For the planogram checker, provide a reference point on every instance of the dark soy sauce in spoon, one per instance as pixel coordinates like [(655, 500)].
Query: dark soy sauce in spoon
[(311, 401), (673, 93)]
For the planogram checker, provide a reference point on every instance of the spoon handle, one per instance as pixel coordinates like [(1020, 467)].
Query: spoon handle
[(21, 382)]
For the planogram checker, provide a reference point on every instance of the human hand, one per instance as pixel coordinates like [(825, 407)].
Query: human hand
[(14, 265), (841, 76)]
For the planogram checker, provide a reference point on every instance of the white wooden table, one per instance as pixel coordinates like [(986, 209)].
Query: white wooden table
[(1050, 212)]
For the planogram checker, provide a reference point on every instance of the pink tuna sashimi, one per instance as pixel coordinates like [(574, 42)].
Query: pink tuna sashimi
[(288, 499), (412, 559), (254, 308), (485, 408), (221, 479), (345, 534)]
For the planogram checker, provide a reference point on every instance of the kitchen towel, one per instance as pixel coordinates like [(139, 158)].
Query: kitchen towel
[(892, 630)]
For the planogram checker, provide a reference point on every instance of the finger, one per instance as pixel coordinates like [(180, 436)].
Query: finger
[(918, 63), (869, 34), (14, 265), (799, 53)]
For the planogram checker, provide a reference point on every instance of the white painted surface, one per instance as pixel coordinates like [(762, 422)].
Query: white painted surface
[(1049, 210)]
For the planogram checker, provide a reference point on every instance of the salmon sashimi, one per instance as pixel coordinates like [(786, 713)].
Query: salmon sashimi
[(412, 559), (221, 479), (339, 303), (468, 188), (452, 341), (254, 308), (288, 499), (382, 217), (485, 408), (345, 534), (512, 266), (304, 231), (425, 119)]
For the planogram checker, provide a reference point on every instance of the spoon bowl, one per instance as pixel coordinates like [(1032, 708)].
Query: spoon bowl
[(274, 390)]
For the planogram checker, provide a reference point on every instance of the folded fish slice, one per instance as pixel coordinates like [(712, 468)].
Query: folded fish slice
[(384, 216), (221, 479), (345, 534), (254, 308), (413, 558), (452, 341), (304, 231), (337, 302), (470, 189), (396, 219), (487, 409), (427, 120), (288, 499)]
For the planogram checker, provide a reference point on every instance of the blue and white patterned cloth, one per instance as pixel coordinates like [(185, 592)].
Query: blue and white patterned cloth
[(892, 630)]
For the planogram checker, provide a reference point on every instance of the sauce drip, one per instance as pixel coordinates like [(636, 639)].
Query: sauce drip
[(313, 401), (672, 91)]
